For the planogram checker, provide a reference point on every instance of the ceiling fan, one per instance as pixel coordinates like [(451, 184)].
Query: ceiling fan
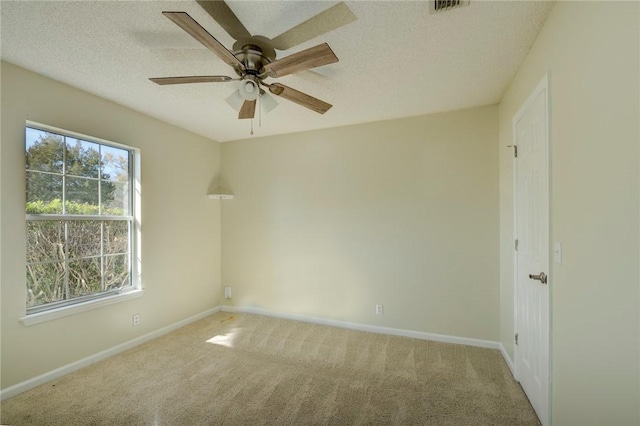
[(254, 56)]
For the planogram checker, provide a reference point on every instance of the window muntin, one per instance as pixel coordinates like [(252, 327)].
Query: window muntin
[(79, 216)]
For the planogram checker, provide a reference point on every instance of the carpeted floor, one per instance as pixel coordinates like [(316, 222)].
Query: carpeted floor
[(241, 369)]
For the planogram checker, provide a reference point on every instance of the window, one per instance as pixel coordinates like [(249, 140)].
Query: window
[(80, 218)]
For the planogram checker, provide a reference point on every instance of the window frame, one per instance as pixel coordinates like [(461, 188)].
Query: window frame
[(57, 309)]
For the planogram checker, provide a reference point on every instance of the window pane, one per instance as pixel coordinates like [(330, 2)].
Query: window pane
[(83, 238), (82, 196), (115, 198), (45, 283), (44, 193), (44, 151), (83, 158), (45, 241), (116, 237), (68, 258), (84, 277), (115, 164), (116, 271)]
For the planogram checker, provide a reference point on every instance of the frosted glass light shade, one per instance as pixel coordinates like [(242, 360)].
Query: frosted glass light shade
[(235, 100), (267, 103)]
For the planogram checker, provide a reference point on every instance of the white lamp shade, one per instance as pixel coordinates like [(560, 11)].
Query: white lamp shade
[(235, 100), (267, 103)]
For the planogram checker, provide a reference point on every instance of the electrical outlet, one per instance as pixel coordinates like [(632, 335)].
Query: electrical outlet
[(136, 319), (379, 309), (227, 292)]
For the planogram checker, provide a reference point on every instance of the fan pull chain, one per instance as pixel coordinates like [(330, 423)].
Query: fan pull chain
[(259, 110), (252, 126)]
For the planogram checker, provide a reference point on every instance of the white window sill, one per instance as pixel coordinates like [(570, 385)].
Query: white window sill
[(66, 311)]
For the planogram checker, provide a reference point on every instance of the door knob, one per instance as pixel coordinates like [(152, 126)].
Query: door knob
[(542, 277)]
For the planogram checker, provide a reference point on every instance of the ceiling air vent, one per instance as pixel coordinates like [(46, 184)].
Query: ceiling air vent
[(444, 5)]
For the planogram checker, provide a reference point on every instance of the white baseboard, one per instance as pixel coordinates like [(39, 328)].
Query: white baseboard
[(69, 368), (369, 328), (507, 359)]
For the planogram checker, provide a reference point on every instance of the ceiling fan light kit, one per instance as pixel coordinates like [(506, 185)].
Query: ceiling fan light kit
[(266, 101), (248, 89), (254, 56)]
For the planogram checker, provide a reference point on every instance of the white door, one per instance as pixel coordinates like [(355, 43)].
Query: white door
[(532, 255)]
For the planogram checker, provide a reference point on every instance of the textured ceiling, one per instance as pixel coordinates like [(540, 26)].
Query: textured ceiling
[(396, 60)]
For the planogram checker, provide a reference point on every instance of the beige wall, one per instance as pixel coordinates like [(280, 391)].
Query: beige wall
[(591, 51), (181, 226), (402, 213)]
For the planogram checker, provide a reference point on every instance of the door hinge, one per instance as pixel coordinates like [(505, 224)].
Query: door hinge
[(515, 150), (515, 246), (516, 339)]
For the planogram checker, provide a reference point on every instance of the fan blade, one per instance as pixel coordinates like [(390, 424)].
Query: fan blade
[(187, 23), (300, 98), (191, 79), (308, 58), (225, 17), (332, 18), (248, 110)]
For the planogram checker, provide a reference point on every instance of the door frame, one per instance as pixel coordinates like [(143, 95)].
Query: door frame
[(543, 85)]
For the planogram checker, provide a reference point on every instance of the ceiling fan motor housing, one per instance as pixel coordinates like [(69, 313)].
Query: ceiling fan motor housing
[(252, 58)]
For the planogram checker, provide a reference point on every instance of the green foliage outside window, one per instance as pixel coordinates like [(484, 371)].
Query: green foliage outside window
[(50, 154)]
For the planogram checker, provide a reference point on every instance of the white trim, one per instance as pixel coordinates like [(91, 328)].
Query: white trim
[(514, 366), (69, 368), (507, 359), (135, 245), (66, 311), (369, 328), (64, 132)]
